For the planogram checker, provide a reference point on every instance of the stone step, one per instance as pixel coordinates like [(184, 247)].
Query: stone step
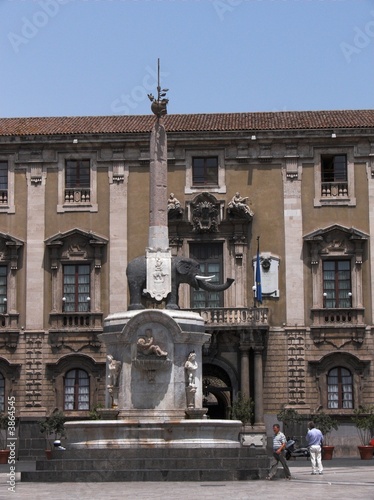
[(150, 463), (128, 453), (128, 464), (144, 475)]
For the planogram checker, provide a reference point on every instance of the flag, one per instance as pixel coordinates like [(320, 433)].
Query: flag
[(258, 274)]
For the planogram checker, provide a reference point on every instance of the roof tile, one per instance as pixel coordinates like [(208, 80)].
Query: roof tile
[(289, 120)]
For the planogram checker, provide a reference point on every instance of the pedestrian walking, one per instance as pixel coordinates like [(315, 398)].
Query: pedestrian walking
[(279, 444), (314, 439)]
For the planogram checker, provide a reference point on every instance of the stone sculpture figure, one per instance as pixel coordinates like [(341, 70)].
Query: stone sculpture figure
[(146, 346), (190, 367), (238, 205), (114, 368)]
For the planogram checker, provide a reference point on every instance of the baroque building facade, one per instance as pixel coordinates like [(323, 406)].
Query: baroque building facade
[(74, 210)]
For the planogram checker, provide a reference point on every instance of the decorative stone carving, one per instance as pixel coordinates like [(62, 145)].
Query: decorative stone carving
[(205, 214), (158, 273)]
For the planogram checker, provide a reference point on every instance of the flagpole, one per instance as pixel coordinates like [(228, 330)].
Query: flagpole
[(258, 299)]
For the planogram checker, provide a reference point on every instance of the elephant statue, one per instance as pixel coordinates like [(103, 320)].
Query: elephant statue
[(183, 270)]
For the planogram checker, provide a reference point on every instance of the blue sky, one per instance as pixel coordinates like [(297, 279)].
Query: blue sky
[(99, 57)]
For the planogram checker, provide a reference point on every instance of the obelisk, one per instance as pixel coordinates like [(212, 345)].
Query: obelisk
[(158, 253)]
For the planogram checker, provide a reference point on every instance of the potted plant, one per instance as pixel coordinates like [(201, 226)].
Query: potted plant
[(4, 451), (243, 409), (290, 418), (364, 420), (54, 429), (325, 423)]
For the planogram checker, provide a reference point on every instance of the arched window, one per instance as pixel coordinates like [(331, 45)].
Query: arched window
[(2, 393), (77, 390), (339, 388)]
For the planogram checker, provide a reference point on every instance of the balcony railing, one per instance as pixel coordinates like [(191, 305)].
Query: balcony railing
[(334, 189), (228, 317), (70, 321), (77, 195), (342, 316), (3, 196), (9, 321)]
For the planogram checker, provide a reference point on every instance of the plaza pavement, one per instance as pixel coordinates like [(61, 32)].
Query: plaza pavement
[(343, 478)]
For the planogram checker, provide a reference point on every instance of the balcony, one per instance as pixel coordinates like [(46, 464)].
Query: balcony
[(342, 317), (338, 326), (228, 318), (84, 321)]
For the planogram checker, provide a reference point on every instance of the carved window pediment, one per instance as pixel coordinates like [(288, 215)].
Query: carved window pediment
[(75, 247), (335, 241), (337, 244)]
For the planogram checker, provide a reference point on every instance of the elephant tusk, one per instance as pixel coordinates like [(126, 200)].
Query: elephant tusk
[(205, 278)]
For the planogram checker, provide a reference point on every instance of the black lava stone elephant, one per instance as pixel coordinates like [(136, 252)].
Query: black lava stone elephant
[(183, 270)]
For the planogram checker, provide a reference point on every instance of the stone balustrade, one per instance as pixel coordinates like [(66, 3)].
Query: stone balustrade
[(234, 316)]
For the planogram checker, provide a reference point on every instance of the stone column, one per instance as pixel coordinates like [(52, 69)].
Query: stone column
[(244, 370), (158, 215), (259, 387)]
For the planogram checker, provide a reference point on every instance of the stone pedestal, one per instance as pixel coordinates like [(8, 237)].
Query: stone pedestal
[(152, 347)]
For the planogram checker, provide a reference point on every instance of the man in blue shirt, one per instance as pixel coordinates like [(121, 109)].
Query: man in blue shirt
[(314, 439)]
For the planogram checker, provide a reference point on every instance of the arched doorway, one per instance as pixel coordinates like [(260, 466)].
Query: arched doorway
[(217, 392)]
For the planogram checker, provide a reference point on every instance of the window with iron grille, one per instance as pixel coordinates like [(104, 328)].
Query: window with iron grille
[(334, 176), (205, 170), (77, 174), (210, 258), (76, 292), (339, 388), (337, 284), (77, 390), (3, 182), (3, 289)]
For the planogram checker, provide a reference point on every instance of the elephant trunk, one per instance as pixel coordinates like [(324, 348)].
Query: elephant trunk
[(214, 287)]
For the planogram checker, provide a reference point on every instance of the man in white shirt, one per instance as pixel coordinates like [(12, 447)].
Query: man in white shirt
[(279, 444)]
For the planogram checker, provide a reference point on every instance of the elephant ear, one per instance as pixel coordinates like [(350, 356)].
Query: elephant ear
[(183, 266)]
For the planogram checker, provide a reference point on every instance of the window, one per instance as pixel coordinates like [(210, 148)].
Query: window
[(337, 284), (2, 393), (77, 390), (3, 289), (210, 259), (3, 182), (76, 292), (77, 181), (334, 177), (339, 388), (205, 170)]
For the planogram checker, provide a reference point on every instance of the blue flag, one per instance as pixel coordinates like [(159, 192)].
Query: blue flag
[(258, 276)]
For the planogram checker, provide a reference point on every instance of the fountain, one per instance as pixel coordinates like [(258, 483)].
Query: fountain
[(154, 356), (154, 426)]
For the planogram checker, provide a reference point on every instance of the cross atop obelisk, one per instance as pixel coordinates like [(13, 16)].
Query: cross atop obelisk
[(158, 252)]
